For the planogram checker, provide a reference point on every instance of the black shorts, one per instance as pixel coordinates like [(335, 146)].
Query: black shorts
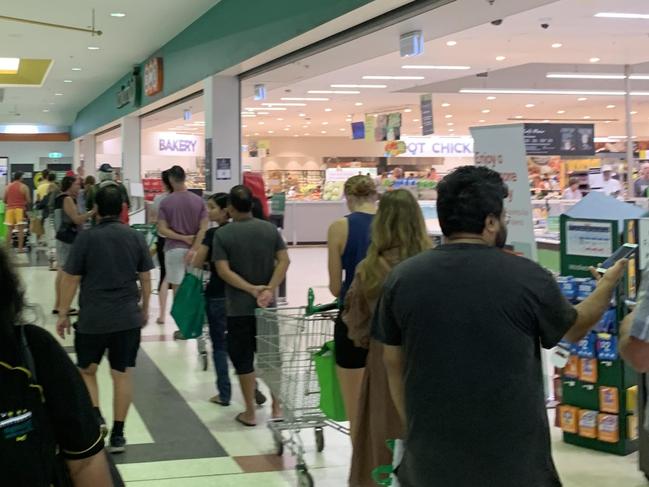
[(122, 348), (348, 355), (160, 252), (242, 343)]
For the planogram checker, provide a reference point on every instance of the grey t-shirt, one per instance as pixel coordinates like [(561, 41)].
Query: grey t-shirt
[(640, 188), (250, 247), (108, 257), (471, 320)]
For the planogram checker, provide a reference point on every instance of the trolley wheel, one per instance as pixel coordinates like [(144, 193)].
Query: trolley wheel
[(319, 439), (204, 360), (279, 443), (304, 478)]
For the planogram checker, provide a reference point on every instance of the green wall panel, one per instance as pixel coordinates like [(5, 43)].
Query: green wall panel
[(229, 33)]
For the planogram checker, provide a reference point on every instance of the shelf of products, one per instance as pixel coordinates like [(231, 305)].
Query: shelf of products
[(299, 185)]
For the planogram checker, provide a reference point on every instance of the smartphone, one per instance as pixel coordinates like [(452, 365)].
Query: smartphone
[(624, 252)]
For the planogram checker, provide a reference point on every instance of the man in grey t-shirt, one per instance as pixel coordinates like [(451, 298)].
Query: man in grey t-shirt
[(634, 332), (251, 257)]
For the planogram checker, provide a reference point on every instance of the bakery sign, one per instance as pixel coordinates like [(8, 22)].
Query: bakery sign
[(173, 144), (153, 76)]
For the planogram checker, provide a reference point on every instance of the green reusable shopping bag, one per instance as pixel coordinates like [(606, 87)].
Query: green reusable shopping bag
[(189, 306), (331, 399)]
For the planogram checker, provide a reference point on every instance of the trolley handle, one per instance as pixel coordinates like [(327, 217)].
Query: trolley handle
[(312, 308)]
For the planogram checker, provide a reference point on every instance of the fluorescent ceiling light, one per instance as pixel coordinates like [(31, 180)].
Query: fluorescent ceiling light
[(500, 58), (76, 69), (404, 78), (359, 103), (542, 92), (639, 76), (58, 94), (118, 15), (359, 86), (21, 129), (304, 99), (585, 76), (530, 105), (557, 45), (610, 106), (446, 105), (263, 113), (594, 60), (284, 104), (333, 92), (430, 66), (93, 48), (9, 65), (621, 15), (67, 81), (266, 109)]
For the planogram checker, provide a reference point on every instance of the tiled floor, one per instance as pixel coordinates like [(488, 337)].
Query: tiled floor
[(177, 438)]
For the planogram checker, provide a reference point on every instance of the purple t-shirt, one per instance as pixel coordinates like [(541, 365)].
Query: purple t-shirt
[(183, 211)]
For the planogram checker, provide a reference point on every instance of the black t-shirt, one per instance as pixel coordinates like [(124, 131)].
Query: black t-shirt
[(108, 257), (216, 287), (470, 320)]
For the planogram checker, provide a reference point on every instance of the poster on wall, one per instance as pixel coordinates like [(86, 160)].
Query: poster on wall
[(426, 106), (547, 139), (223, 168), (502, 149), (589, 239)]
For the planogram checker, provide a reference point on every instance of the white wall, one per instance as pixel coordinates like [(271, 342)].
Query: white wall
[(109, 152), (152, 161), (29, 152)]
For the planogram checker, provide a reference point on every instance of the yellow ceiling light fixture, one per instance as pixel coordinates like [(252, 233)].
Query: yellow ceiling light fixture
[(30, 73), (92, 30), (9, 65)]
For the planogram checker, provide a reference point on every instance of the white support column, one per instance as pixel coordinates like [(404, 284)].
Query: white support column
[(222, 132), (131, 166), (85, 153)]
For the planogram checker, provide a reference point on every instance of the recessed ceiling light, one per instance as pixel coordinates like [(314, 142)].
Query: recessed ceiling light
[(295, 135), (284, 104), (58, 94), (594, 60), (451, 130), (333, 92), (557, 45), (500, 58), (451, 43), (622, 15), (328, 109), (93, 48), (325, 123), (76, 69), (342, 130), (358, 104), (266, 109), (415, 120), (546, 121), (610, 106), (448, 116), (491, 98), (408, 110), (45, 110), (261, 123), (446, 105), (279, 119), (430, 66), (67, 81), (533, 91), (561, 112), (256, 133), (450, 124), (118, 15), (481, 121), (323, 131), (360, 86), (586, 117), (289, 98), (633, 113), (9, 65), (263, 113), (607, 121), (486, 110), (307, 134), (305, 126), (519, 117), (302, 114), (582, 98), (585, 76), (530, 105), (404, 78), (244, 126), (271, 131)]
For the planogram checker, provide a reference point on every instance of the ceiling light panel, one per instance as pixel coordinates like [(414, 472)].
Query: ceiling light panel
[(360, 86), (622, 15), (505, 91), (398, 78), (585, 76), (430, 66), (303, 99), (9, 65), (333, 92)]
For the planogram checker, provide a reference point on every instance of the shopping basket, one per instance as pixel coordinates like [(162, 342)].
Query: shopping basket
[(287, 340)]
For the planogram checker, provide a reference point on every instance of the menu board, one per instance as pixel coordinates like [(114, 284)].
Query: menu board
[(544, 139), (426, 106)]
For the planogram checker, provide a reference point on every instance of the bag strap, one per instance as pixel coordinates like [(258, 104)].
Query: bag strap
[(28, 358)]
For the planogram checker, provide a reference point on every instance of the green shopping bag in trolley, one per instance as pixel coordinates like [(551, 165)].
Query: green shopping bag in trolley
[(331, 399), (189, 306)]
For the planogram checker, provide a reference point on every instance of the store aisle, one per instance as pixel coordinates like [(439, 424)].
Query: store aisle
[(176, 437)]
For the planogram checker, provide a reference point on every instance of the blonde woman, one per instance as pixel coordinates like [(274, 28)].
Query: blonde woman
[(398, 232), (348, 240)]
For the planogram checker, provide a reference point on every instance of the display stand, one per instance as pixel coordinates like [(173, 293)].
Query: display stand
[(594, 411)]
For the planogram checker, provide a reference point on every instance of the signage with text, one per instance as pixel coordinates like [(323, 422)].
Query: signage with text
[(547, 139), (437, 147), (153, 76), (426, 106), (172, 144)]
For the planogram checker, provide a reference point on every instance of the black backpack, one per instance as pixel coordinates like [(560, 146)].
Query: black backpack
[(28, 451)]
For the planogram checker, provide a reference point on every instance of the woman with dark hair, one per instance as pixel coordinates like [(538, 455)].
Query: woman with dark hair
[(53, 437), (66, 225), (163, 285)]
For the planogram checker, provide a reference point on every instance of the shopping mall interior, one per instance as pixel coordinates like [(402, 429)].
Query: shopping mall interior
[(302, 97)]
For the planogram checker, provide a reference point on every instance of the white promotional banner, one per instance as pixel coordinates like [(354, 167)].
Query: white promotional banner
[(428, 146), (173, 144), (502, 148)]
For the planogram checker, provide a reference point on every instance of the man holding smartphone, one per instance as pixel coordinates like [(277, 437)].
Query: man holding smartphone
[(462, 326)]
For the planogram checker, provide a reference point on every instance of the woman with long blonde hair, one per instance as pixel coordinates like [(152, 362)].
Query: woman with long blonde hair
[(398, 232)]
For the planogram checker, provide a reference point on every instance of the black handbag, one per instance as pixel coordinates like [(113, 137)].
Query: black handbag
[(67, 234)]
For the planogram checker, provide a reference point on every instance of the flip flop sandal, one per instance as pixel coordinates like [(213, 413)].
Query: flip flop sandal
[(245, 423)]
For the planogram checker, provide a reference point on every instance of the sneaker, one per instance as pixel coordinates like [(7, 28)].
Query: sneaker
[(117, 444), (260, 398)]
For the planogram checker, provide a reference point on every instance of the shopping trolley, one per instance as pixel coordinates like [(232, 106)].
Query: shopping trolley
[(287, 339), (149, 231)]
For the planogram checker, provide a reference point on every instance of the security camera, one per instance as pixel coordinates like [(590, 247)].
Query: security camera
[(497, 22), (545, 26)]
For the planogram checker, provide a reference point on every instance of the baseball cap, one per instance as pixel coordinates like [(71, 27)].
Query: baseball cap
[(607, 168), (106, 168)]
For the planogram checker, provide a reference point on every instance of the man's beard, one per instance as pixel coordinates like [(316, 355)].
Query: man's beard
[(501, 237)]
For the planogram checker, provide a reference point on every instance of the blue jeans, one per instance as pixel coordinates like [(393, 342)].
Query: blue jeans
[(216, 317)]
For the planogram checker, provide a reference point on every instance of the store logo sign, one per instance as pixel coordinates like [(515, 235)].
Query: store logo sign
[(438, 147), (168, 143)]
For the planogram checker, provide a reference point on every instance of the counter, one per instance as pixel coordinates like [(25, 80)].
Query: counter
[(307, 222)]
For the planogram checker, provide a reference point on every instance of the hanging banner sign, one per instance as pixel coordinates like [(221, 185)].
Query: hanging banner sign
[(434, 147), (558, 139), (426, 106), (502, 149), (172, 144)]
